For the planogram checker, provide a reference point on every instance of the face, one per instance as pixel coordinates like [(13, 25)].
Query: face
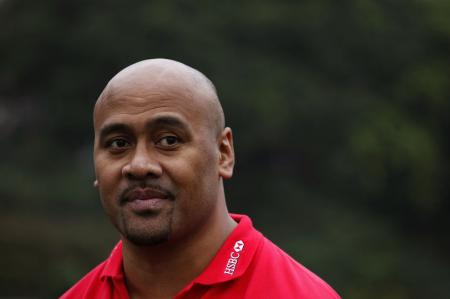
[(158, 163)]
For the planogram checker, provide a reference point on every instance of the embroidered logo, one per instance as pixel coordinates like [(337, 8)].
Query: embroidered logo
[(234, 258), (238, 246)]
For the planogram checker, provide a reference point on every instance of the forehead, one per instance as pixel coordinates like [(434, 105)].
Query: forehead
[(126, 101)]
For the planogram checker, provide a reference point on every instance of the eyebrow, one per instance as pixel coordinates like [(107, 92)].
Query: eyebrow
[(113, 127), (161, 121), (167, 120)]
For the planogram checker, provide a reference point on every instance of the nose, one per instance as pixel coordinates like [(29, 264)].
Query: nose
[(141, 165)]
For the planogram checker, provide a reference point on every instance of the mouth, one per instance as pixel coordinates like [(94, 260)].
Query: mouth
[(146, 200)]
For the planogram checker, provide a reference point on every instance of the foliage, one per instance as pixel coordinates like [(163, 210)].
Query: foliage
[(340, 110)]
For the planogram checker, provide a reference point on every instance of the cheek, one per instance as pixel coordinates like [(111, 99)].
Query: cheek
[(196, 175), (105, 167), (196, 180), (108, 174), (193, 165)]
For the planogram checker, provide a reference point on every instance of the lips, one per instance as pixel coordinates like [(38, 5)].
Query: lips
[(145, 194), (146, 200)]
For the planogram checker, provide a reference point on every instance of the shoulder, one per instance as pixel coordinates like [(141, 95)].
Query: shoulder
[(100, 279), (89, 283), (283, 277)]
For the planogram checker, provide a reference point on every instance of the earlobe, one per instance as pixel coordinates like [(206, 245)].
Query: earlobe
[(96, 183), (226, 154)]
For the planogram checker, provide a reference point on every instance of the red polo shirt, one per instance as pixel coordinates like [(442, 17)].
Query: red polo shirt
[(247, 266)]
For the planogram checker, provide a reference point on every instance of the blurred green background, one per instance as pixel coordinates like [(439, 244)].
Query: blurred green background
[(341, 117)]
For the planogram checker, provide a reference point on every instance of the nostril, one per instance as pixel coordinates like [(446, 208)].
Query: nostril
[(141, 169)]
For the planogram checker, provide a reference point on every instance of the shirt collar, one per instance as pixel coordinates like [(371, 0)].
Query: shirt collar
[(113, 266), (230, 262), (235, 255)]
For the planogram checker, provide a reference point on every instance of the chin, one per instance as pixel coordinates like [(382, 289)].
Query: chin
[(145, 232), (147, 240)]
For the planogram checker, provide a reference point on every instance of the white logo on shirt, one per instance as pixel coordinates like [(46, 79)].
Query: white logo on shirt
[(234, 258), (238, 246)]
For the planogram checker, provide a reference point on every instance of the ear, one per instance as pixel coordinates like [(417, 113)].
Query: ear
[(226, 154)]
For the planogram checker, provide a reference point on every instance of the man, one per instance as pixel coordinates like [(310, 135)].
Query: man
[(161, 154)]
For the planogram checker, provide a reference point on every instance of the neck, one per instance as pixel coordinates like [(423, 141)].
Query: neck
[(161, 271)]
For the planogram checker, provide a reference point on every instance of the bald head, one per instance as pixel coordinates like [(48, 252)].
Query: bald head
[(163, 77)]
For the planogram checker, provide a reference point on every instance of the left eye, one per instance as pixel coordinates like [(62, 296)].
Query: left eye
[(169, 141)]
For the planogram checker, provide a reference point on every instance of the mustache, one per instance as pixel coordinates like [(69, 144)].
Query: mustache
[(134, 190)]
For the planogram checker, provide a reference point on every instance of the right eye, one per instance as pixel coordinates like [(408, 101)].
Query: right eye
[(118, 144)]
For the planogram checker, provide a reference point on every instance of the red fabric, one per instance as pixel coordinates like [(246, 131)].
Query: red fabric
[(247, 266)]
